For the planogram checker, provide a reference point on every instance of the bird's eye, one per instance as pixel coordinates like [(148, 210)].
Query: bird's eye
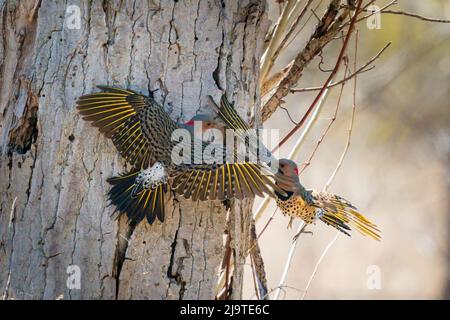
[(208, 124), (282, 165)]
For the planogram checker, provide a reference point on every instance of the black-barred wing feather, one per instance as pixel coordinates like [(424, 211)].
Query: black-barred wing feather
[(221, 182), (115, 112)]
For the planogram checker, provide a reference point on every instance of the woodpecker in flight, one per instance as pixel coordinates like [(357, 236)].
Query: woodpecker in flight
[(142, 131), (298, 202), (310, 205)]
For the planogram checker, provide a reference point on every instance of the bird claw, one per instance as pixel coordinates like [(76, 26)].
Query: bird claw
[(291, 220), (299, 233)]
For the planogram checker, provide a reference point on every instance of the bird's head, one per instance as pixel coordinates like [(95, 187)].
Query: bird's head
[(288, 176), (288, 168), (207, 121)]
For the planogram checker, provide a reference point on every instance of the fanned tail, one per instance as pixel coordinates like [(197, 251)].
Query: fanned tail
[(342, 215), (336, 222), (147, 203)]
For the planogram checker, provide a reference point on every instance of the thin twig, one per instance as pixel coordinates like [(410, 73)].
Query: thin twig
[(10, 236), (305, 23), (334, 84), (325, 31), (293, 154), (275, 39), (333, 119), (268, 222), (288, 262), (288, 35), (288, 114), (316, 267), (392, 3), (282, 289), (286, 23), (327, 248), (258, 264), (222, 287), (362, 69), (328, 81), (293, 246), (252, 265), (415, 15), (404, 13), (350, 129)]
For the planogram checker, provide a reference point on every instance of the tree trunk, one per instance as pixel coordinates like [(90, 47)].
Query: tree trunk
[(54, 166)]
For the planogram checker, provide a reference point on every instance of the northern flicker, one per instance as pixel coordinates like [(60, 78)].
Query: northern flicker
[(311, 205), (142, 131), (298, 202)]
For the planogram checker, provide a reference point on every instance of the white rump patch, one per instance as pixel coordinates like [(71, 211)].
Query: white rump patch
[(152, 177)]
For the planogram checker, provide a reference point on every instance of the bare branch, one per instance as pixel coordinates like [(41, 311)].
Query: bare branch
[(289, 34), (362, 69), (352, 120), (328, 81), (274, 81), (403, 13), (294, 153), (226, 268), (258, 264), (10, 236), (325, 31), (252, 265), (415, 15), (316, 267), (333, 119), (393, 2), (288, 114), (288, 262), (327, 248), (334, 84), (275, 39)]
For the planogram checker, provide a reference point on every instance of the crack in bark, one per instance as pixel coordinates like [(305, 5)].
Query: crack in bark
[(176, 275), (216, 72), (132, 45), (121, 250)]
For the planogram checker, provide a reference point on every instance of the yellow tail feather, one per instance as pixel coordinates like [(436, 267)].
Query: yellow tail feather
[(339, 210)]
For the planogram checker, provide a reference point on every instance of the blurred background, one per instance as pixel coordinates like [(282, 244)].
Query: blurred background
[(396, 170)]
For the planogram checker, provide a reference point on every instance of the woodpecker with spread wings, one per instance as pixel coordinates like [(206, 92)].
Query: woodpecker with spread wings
[(141, 130), (299, 202)]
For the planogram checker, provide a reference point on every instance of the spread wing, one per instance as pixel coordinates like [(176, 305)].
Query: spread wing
[(115, 112), (224, 181), (228, 114)]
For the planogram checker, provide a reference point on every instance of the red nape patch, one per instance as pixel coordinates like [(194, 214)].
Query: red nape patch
[(190, 123), (296, 171)]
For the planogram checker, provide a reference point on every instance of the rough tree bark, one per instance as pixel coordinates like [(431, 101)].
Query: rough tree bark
[(56, 165)]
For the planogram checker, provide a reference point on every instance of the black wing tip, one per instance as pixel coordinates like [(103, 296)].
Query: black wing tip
[(337, 224)]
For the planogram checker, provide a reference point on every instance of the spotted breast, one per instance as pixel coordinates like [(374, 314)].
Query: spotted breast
[(296, 207)]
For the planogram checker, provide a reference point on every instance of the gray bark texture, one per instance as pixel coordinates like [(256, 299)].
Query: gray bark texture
[(54, 166)]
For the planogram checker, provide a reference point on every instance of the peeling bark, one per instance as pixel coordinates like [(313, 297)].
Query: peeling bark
[(56, 164)]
